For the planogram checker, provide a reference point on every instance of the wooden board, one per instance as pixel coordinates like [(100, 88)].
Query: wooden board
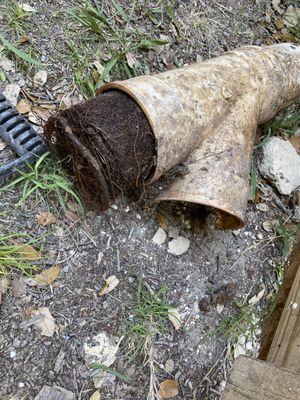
[(272, 321), (285, 348), (258, 380)]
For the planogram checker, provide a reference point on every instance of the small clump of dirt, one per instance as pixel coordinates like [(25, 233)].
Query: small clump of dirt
[(106, 143)]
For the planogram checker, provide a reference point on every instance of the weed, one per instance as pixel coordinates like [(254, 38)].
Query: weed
[(151, 318), (112, 26), (110, 371), (12, 257), (19, 53), (16, 16), (287, 236), (236, 328), (44, 179)]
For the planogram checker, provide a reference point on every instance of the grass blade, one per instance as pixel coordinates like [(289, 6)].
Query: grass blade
[(111, 371), (19, 53)]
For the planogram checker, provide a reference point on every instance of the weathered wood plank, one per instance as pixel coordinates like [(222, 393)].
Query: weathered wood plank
[(272, 322), (258, 380), (285, 348)]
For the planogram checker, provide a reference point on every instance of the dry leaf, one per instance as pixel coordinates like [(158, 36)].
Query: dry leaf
[(28, 252), (168, 389), (46, 218), (71, 216), (174, 317), (43, 113), (4, 283), (43, 319), (161, 219), (18, 287), (24, 107), (24, 39), (95, 395), (110, 284), (49, 275), (40, 78)]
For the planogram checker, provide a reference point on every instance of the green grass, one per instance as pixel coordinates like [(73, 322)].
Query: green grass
[(46, 181), (12, 258), (243, 323), (16, 17), (150, 317), (116, 30), (285, 122)]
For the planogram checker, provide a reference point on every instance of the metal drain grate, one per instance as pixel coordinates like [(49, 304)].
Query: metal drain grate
[(20, 136)]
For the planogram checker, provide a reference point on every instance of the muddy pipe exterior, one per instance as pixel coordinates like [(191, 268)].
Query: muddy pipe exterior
[(206, 115)]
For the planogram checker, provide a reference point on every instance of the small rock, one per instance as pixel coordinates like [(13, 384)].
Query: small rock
[(169, 366), (268, 226), (174, 232), (54, 393), (220, 308), (5, 63), (281, 165), (40, 78), (159, 237), (262, 207), (100, 349), (12, 92), (178, 246)]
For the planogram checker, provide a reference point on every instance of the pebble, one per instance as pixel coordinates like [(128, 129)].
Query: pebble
[(169, 366), (159, 237), (281, 165), (178, 246)]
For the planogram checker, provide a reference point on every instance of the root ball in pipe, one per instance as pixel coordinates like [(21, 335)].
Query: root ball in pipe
[(205, 114)]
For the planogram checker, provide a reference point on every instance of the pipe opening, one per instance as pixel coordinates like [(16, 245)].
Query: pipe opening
[(111, 146)]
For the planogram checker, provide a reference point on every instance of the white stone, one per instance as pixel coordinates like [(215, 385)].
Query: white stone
[(281, 165), (178, 246), (100, 349), (40, 78), (11, 92), (159, 237)]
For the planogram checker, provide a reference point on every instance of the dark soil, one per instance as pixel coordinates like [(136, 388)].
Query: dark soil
[(106, 143)]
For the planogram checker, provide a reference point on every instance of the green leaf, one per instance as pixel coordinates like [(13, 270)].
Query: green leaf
[(110, 371), (150, 44), (19, 53)]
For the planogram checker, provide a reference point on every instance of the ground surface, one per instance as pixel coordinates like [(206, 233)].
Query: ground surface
[(219, 270)]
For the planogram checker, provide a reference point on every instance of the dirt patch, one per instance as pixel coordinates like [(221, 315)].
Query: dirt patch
[(110, 143)]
